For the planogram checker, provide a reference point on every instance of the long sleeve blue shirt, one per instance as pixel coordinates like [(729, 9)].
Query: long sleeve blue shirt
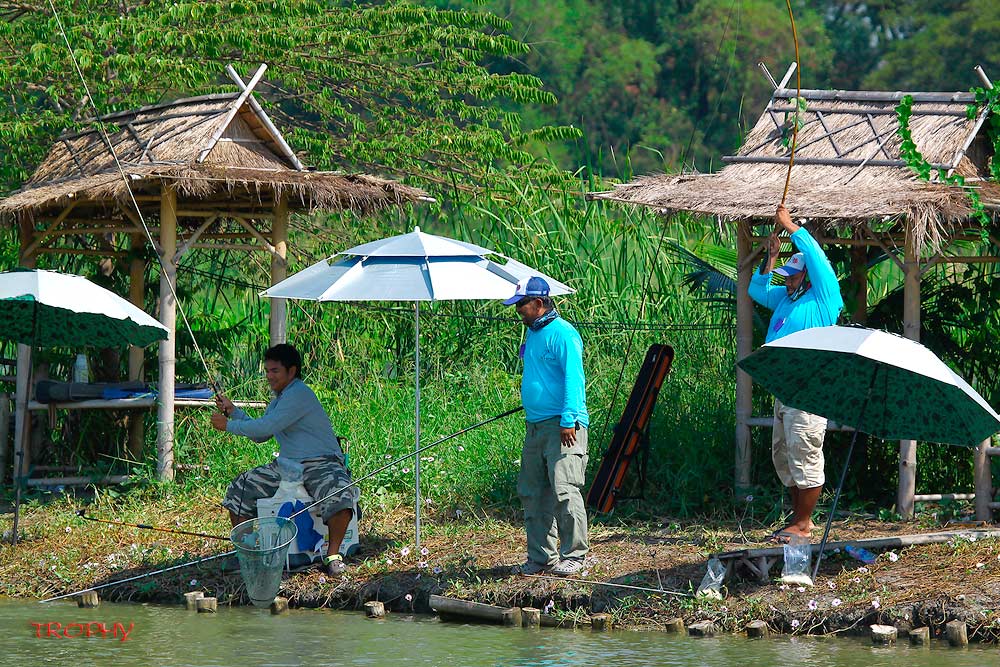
[(818, 307), (296, 419), (553, 384)]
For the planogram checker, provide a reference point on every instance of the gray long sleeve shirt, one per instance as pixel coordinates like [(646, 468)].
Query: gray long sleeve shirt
[(296, 419)]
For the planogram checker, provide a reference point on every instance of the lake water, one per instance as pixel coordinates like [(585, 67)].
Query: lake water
[(162, 635)]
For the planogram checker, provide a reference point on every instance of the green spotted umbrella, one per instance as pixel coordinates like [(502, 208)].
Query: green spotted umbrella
[(876, 382), (49, 309)]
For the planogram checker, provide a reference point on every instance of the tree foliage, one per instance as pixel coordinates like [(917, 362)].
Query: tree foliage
[(391, 87)]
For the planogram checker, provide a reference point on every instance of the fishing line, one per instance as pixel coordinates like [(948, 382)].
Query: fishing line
[(609, 584), (798, 92), (164, 276), (416, 452)]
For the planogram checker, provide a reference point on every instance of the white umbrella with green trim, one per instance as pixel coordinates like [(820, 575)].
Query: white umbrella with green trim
[(875, 382), (49, 309)]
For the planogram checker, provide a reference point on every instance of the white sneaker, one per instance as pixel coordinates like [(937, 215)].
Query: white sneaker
[(530, 567), (567, 566)]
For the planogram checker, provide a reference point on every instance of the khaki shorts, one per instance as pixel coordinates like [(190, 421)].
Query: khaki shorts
[(797, 447)]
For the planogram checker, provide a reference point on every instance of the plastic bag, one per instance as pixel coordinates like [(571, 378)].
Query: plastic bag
[(798, 561), (290, 471), (711, 583)]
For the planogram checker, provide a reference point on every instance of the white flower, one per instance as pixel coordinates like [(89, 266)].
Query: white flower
[(813, 605), (863, 569), (783, 587), (406, 471), (421, 564), (876, 603), (980, 565), (322, 579), (458, 515), (584, 573), (405, 551), (68, 529), (836, 602), (831, 585), (749, 499), (388, 561), (194, 582), (388, 456), (801, 589), (409, 598), (857, 580), (893, 556), (437, 570), (461, 448), (972, 538), (795, 622), (424, 551), (428, 501)]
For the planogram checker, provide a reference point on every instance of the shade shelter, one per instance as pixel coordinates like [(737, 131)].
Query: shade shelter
[(412, 267), (206, 173), (851, 186)]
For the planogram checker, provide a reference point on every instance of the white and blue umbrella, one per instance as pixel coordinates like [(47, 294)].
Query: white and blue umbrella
[(411, 267)]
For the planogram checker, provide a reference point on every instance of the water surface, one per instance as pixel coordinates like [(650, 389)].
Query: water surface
[(163, 635)]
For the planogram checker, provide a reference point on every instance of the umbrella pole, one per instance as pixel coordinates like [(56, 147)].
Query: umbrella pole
[(843, 477), (22, 439), (416, 436)]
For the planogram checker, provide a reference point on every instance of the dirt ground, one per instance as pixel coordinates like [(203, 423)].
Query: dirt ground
[(470, 556)]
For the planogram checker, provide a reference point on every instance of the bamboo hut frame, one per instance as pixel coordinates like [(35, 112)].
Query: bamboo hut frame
[(208, 172), (849, 187)]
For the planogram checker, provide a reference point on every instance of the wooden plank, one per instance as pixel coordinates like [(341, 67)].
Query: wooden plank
[(817, 161), (874, 112), (877, 96), (466, 609)]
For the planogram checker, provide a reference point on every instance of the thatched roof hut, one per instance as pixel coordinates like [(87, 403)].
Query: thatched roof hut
[(203, 172), (220, 147), (847, 166), (849, 186)]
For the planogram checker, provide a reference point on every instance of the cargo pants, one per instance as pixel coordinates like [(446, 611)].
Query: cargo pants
[(549, 486)]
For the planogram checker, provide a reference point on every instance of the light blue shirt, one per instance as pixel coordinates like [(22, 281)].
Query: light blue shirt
[(553, 382), (818, 307), (296, 419)]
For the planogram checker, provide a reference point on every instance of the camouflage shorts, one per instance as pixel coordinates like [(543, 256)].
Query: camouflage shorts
[(321, 477)]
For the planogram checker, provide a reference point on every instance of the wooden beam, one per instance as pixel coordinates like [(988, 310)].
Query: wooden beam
[(822, 161), (279, 270), (283, 146), (190, 241), (168, 347), (86, 252), (983, 479), (889, 253), (876, 96), (245, 224), (911, 330), (38, 238), (136, 295), (870, 112), (744, 345), (233, 109), (859, 280)]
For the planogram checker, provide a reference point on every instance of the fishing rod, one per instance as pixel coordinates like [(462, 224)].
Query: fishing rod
[(609, 584), (145, 526), (230, 553), (140, 576)]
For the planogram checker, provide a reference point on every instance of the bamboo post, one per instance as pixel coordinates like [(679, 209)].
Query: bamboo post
[(600, 622), (22, 391), (207, 605), (911, 329), (279, 269), (136, 292), (675, 626), (859, 280), (279, 605), (4, 434), (920, 636), (374, 609), (957, 633), (88, 600), (531, 617), (191, 599), (512, 617), (168, 347), (744, 343), (758, 629), (983, 480), (883, 634)]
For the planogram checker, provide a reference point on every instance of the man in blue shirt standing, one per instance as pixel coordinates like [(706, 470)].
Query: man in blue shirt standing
[(810, 298), (554, 458)]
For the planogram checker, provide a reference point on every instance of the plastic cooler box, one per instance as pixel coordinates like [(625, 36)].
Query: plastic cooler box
[(289, 492)]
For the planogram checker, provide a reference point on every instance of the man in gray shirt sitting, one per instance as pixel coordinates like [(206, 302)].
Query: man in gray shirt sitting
[(307, 443)]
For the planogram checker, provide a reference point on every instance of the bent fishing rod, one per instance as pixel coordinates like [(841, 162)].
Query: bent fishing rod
[(146, 526)]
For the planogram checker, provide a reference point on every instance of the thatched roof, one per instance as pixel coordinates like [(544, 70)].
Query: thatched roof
[(205, 147), (847, 165)]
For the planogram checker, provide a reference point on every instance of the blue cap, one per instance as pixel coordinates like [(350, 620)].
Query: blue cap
[(533, 287)]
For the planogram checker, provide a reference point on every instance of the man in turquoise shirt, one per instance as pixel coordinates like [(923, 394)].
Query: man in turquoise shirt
[(554, 457), (810, 298)]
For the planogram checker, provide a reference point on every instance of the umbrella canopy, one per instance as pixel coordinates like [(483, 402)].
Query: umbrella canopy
[(410, 267), (50, 309), (876, 382)]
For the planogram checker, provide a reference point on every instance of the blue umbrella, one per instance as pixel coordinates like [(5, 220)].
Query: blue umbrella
[(411, 267)]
